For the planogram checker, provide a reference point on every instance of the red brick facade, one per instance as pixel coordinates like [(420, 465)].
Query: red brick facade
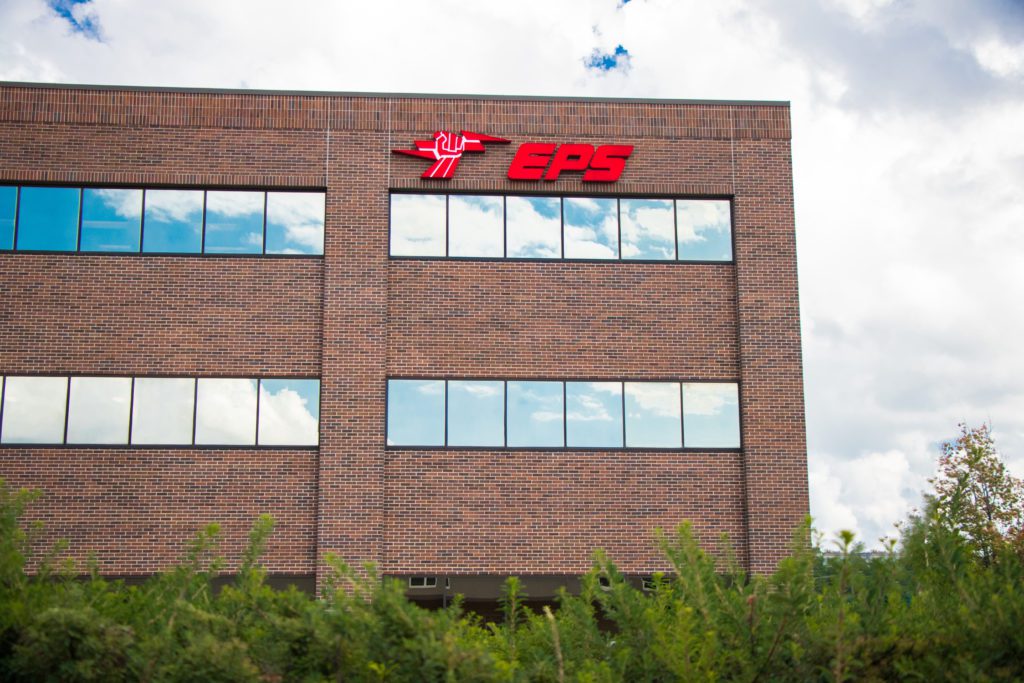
[(356, 317)]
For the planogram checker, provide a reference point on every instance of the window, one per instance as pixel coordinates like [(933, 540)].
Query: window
[(225, 411), (704, 229), (653, 415), (295, 222), (289, 412), (34, 409), (416, 412), (711, 415), (111, 220), (418, 225), (98, 410), (173, 222), (457, 413), (648, 229), (591, 228), (593, 414), (536, 411), (162, 410), (580, 228), (476, 226), (476, 413), (534, 227), (156, 221), (8, 213), (234, 222), (48, 219), (422, 582)]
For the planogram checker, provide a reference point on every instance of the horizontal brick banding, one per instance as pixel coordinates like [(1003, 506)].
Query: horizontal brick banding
[(137, 510), (522, 512), (561, 319), (135, 315)]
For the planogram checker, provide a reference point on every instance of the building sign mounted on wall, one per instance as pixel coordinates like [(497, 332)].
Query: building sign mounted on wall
[(533, 160)]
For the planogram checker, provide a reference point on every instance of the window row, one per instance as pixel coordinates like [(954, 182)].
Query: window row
[(159, 411), (161, 221), (555, 414), (485, 226)]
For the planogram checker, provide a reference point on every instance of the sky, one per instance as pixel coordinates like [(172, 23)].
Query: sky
[(908, 152)]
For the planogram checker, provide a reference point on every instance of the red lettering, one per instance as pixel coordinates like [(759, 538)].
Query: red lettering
[(608, 163), (569, 158), (530, 160)]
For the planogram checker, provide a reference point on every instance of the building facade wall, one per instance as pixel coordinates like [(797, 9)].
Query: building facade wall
[(356, 317)]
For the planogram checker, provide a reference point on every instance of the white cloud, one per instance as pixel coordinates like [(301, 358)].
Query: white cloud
[(286, 419)]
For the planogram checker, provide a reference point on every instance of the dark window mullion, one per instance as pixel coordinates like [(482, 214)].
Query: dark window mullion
[(505, 425), (618, 216), (78, 235), (195, 407), (17, 217), (565, 417), (3, 392), (131, 410), (446, 413), (622, 396), (67, 408), (202, 239), (265, 195), (259, 382), (682, 413)]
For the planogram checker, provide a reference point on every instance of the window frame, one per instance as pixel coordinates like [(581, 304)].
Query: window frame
[(81, 187), (565, 447), (131, 409), (731, 199)]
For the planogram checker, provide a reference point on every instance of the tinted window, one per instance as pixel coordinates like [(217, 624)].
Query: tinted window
[(295, 222), (594, 414), (98, 410), (226, 411), (535, 414), (34, 409), (174, 221), (705, 230), (648, 229), (234, 222), (111, 220), (289, 412), (476, 413), (415, 412), (418, 225), (162, 410), (8, 211), (475, 226), (48, 218), (653, 415), (534, 226), (711, 415), (591, 228)]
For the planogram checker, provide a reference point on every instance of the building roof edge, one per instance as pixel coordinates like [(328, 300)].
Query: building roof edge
[(391, 95)]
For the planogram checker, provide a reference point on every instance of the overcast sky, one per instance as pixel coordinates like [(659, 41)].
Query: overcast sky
[(908, 143)]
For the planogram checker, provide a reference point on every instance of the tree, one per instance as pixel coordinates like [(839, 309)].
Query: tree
[(976, 496)]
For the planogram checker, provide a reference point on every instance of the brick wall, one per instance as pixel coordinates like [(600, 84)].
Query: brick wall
[(355, 317)]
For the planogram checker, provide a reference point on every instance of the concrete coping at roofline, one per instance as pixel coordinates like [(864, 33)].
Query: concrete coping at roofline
[(392, 95)]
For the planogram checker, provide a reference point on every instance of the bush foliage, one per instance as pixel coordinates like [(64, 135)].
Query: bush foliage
[(942, 605)]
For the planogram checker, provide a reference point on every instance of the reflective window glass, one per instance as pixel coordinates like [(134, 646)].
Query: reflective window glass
[(295, 222), (8, 211), (418, 225), (535, 414), (705, 230), (415, 412), (289, 412), (653, 415), (593, 414), (174, 222), (476, 413), (162, 410), (534, 226), (711, 415), (591, 228), (48, 219), (234, 222), (648, 229), (226, 411), (476, 226), (98, 410), (34, 409), (111, 220)]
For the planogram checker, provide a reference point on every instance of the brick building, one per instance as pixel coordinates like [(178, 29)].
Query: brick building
[(458, 379)]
